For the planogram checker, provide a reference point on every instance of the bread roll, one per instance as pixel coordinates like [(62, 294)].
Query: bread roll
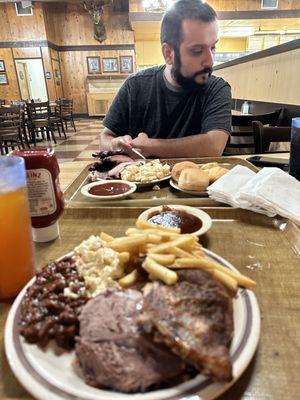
[(176, 170), (193, 179), (216, 173), (209, 165)]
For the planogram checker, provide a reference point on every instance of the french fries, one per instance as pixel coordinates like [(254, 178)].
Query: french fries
[(165, 250), (129, 280), (159, 271), (182, 241), (164, 259), (124, 257), (229, 282), (105, 237)]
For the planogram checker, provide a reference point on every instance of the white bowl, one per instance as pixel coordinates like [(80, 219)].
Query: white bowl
[(202, 215), (85, 189)]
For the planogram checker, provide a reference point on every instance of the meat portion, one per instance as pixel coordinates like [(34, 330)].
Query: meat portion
[(114, 352), (110, 164), (115, 172), (194, 318)]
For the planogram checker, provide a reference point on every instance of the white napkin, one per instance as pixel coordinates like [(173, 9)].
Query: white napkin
[(271, 191)]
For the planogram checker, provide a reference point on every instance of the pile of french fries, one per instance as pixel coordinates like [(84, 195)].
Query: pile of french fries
[(165, 250)]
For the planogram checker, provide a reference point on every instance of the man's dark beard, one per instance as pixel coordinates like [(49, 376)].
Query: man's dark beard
[(190, 82)]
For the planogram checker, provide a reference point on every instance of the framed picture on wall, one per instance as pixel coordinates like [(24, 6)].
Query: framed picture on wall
[(126, 64), (110, 64), (93, 65), (3, 79), (2, 66)]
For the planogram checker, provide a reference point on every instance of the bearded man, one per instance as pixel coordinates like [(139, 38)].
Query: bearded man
[(179, 109)]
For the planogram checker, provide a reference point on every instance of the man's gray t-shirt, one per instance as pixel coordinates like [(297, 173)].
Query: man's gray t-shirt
[(145, 103)]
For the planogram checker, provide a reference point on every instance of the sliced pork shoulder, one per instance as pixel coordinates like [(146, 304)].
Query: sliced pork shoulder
[(194, 318)]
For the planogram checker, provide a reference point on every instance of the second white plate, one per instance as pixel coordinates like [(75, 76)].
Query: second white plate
[(202, 193)]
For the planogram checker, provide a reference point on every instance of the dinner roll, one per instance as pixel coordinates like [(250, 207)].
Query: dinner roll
[(209, 165), (216, 173), (176, 170), (193, 179)]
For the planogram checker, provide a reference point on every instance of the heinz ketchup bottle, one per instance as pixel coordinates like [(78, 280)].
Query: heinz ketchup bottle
[(45, 196)]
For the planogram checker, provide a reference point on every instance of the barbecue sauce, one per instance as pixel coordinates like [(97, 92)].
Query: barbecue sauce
[(45, 196), (169, 217), (109, 189)]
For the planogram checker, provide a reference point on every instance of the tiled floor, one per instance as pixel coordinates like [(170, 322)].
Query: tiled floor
[(79, 145)]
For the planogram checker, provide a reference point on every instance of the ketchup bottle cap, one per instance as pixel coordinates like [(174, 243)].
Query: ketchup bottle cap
[(46, 234)]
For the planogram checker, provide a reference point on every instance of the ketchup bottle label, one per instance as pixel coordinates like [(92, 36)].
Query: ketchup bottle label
[(40, 192)]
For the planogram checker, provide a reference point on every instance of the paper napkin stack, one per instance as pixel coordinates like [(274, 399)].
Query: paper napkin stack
[(271, 191)]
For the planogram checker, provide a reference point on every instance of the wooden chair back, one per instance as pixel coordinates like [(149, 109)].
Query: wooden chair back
[(39, 111), (265, 135), (10, 121), (242, 136), (65, 107)]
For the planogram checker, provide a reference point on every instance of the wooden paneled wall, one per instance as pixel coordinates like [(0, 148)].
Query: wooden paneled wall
[(27, 52), (230, 5), (74, 72), (10, 91), (274, 79), (70, 24), (14, 28), (63, 24), (247, 5), (9, 55)]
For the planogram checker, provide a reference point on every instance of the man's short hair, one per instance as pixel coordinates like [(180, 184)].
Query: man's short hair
[(183, 9)]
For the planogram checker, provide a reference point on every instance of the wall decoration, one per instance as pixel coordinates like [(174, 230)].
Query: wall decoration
[(93, 64), (57, 74), (3, 79), (110, 65), (96, 10), (126, 64), (2, 66)]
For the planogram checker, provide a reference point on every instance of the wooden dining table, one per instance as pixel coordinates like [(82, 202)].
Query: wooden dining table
[(266, 249)]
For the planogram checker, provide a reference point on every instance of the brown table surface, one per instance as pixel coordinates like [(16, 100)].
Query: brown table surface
[(274, 371)]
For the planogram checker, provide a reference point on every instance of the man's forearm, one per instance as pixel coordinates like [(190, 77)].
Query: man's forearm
[(105, 140), (204, 145)]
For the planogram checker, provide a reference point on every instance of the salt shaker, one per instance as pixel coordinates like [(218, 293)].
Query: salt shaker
[(295, 149)]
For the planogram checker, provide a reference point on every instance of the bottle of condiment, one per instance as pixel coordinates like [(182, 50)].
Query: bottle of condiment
[(45, 196), (295, 149)]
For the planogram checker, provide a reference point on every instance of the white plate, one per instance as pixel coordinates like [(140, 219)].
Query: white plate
[(152, 183), (48, 376), (202, 215), (137, 183), (202, 193), (85, 189)]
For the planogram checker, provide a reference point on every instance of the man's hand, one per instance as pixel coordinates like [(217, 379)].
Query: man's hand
[(143, 144), (122, 142)]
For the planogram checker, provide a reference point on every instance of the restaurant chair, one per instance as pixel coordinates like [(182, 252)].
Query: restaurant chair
[(56, 119), (265, 135), (66, 112), (39, 119), (241, 140), (11, 134)]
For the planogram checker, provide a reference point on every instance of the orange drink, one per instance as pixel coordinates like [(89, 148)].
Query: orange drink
[(16, 246)]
